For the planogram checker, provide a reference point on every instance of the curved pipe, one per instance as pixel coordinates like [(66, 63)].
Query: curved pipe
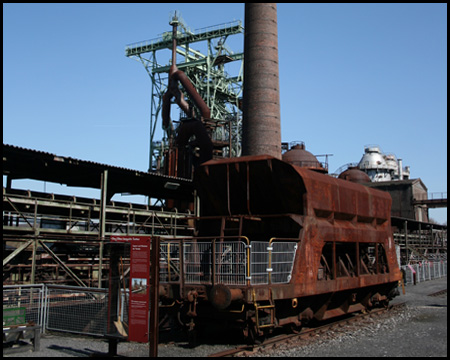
[(194, 95), (174, 91), (175, 76)]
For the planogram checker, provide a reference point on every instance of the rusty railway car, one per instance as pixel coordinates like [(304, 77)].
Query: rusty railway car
[(279, 245)]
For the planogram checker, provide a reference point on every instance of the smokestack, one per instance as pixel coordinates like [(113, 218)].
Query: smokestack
[(261, 113)]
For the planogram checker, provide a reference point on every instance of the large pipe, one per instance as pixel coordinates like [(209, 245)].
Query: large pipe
[(175, 76), (261, 112)]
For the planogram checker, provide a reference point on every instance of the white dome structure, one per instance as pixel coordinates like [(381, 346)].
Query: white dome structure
[(381, 167), (374, 164)]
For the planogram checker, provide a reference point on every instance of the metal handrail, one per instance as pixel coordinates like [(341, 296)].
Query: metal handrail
[(213, 240), (88, 222), (437, 195), (196, 34)]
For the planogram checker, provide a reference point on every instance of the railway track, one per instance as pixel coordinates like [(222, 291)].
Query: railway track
[(304, 335), (438, 293)]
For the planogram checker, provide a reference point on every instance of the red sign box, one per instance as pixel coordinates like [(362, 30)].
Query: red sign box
[(139, 286)]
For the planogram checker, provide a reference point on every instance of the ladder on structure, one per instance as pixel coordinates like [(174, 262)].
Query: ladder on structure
[(262, 323)]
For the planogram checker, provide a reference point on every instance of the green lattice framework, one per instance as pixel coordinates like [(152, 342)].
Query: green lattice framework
[(221, 91)]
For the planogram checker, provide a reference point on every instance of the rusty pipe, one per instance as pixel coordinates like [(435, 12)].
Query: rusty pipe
[(261, 114), (221, 296), (193, 94), (174, 91), (173, 67), (175, 76)]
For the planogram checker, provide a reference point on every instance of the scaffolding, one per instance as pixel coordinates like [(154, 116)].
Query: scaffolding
[(217, 76)]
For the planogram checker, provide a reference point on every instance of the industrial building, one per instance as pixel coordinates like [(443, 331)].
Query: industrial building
[(382, 167), (240, 229), (417, 238), (36, 224)]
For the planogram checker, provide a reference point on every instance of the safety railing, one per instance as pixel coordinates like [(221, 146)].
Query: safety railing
[(169, 262), (424, 271), (81, 216), (31, 297), (71, 309), (272, 261), (192, 36), (259, 263), (227, 260), (281, 260), (77, 309), (197, 262), (431, 196)]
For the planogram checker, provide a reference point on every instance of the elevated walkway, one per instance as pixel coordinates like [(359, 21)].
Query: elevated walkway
[(165, 42), (70, 216), (433, 200)]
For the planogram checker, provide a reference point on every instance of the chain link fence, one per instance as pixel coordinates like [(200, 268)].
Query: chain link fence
[(31, 298), (77, 309), (61, 308)]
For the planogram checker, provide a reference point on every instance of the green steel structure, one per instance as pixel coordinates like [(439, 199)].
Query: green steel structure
[(208, 70)]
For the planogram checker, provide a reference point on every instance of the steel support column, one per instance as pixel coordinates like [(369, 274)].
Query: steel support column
[(103, 200)]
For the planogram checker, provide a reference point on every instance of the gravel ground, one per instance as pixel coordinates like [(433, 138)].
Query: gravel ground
[(418, 330)]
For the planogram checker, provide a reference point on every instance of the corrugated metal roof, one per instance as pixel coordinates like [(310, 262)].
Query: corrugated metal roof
[(73, 160), (20, 163)]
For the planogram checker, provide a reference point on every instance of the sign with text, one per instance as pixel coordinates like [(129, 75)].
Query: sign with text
[(138, 311)]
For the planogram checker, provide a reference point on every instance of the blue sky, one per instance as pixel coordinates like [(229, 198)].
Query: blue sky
[(350, 75)]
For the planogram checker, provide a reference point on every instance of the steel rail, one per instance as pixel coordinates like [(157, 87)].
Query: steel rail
[(306, 333)]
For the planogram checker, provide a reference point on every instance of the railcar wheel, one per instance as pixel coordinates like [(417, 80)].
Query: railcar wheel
[(292, 328)]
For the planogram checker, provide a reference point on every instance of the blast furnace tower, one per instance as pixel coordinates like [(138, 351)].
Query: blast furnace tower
[(215, 71)]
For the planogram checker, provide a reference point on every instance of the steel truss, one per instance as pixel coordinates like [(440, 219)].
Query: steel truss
[(209, 74)]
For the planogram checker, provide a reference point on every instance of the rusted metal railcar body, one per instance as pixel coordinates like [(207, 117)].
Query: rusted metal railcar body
[(280, 245)]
